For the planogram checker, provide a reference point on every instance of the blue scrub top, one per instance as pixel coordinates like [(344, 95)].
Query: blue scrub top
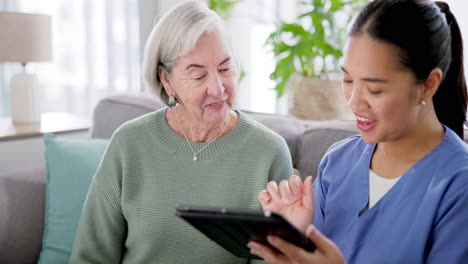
[(422, 219)]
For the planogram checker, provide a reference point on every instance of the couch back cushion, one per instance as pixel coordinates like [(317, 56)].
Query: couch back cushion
[(288, 127), (315, 141), (111, 112)]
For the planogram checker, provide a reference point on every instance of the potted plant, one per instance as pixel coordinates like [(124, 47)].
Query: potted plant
[(308, 53), (222, 7)]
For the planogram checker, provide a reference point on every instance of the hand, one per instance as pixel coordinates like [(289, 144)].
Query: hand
[(292, 199), (325, 253)]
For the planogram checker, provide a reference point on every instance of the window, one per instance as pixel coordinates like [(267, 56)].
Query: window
[(95, 53)]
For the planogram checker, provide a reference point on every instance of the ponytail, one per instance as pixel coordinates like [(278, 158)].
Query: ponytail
[(450, 100)]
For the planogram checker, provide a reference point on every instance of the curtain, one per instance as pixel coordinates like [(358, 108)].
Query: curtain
[(95, 53)]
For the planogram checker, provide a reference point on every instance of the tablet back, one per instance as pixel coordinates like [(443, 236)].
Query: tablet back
[(233, 228)]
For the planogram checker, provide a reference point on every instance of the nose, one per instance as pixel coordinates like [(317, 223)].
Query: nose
[(356, 98), (215, 85)]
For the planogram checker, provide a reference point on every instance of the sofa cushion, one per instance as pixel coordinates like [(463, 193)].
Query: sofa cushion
[(288, 127), (71, 164), (113, 111), (315, 141), (22, 193)]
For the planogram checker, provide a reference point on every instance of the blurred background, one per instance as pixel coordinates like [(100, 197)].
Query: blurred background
[(98, 44)]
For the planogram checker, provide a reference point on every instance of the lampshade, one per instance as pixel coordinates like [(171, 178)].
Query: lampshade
[(25, 37)]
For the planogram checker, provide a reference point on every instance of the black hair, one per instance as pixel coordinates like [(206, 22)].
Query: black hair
[(429, 37)]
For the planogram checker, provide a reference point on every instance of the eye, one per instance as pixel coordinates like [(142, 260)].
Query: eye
[(374, 92), (224, 70), (198, 77), (347, 81)]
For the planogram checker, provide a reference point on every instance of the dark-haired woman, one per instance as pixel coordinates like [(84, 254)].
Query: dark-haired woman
[(398, 193)]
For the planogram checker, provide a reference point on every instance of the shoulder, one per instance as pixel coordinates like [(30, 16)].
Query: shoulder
[(453, 154), (345, 154), (454, 144), (258, 131), (138, 128), (347, 146)]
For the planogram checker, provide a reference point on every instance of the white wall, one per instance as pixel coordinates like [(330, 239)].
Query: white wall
[(460, 9)]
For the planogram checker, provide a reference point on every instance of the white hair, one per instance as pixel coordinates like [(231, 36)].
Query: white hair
[(175, 35)]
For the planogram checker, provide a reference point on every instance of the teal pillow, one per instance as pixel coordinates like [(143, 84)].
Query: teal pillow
[(71, 165)]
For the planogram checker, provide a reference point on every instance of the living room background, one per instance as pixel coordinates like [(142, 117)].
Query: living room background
[(97, 48)]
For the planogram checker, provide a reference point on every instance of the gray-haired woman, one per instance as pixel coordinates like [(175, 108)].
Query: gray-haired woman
[(196, 151)]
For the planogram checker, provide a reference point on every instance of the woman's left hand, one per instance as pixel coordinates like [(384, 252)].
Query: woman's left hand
[(326, 251)]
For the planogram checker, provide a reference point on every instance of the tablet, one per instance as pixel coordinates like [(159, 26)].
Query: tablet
[(233, 228)]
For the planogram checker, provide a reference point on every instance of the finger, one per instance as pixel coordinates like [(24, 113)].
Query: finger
[(308, 195), (284, 190), (295, 185), (272, 188), (265, 252), (322, 243), (264, 197), (291, 251)]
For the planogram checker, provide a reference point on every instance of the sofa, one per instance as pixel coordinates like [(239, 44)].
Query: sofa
[(22, 192)]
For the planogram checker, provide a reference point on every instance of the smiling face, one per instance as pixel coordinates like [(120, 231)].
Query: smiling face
[(204, 80), (382, 93)]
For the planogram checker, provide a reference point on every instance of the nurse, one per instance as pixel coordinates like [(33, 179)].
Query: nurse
[(398, 192)]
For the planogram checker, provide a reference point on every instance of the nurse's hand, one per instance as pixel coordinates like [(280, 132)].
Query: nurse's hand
[(326, 251), (292, 199)]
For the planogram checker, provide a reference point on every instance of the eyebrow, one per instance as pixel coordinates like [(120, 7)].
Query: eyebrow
[(201, 66), (367, 79)]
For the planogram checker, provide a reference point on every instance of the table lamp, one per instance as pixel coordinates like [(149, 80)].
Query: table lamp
[(25, 38)]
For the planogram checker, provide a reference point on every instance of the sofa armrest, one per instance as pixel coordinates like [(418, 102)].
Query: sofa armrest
[(22, 207)]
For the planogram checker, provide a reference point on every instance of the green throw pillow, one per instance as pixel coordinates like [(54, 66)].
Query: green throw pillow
[(71, 165)]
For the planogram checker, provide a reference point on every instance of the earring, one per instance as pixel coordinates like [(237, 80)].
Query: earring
[(171, 102), (423, 103)]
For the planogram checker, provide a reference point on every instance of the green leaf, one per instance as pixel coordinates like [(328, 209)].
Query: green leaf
[(222, 7), (315, 38)]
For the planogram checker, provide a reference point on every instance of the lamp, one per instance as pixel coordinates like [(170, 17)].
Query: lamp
[(25, 38)]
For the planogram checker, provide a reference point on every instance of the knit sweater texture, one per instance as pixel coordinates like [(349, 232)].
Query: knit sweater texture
[(129, 214)]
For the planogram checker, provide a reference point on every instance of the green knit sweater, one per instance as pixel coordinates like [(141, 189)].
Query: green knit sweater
[(129, 214)]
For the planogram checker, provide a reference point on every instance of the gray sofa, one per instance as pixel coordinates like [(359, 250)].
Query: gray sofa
[(22, 192)]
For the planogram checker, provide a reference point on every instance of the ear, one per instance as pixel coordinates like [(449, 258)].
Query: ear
[(165, 80), (431, 84)]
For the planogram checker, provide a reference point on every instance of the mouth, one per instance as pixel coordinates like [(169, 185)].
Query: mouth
[(216, 104), (365, 124), (364, 121)]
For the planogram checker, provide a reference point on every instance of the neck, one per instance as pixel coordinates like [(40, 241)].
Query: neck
[(419, 142), (196, 130)]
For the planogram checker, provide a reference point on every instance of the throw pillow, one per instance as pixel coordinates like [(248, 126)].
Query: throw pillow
[(71, 165)]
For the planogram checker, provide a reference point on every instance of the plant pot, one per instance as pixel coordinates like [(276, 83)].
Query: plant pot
[(315, 99)]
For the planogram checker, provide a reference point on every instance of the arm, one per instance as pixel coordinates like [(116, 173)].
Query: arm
[(101, 232), (448, 238), (319, 196), (281, 167)]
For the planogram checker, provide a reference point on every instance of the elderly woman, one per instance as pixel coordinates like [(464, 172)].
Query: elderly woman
[(197, 151)]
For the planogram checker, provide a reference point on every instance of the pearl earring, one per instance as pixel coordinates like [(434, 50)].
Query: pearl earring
[(423, 103), (171, 102)]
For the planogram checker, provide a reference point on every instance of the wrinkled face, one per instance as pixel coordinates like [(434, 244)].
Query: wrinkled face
[(204, 80), (381, 92)]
